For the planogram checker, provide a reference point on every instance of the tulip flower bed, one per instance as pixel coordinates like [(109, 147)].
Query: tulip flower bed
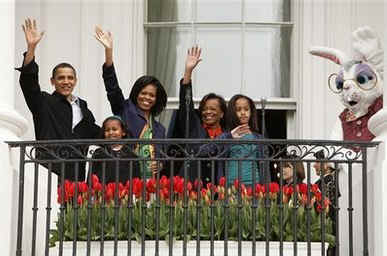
[(137, 198)]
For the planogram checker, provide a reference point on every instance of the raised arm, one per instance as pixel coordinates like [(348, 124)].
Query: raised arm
[(33, 37), (192, 60), (114, 93), (106, 39), (29, 80)]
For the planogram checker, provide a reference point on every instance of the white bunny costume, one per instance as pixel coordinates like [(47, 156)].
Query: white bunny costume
[(358, 84)]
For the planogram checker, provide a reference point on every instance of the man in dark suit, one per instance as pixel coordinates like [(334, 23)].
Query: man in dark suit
[(56, 116)]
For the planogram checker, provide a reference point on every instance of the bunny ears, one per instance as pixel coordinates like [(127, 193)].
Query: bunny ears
[(334, 55), (366, 47)]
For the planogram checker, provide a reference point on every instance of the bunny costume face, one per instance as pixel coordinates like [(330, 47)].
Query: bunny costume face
[(360, 78), (357, 85)]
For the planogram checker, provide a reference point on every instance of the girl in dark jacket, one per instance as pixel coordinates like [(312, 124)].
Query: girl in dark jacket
[(114, 128)]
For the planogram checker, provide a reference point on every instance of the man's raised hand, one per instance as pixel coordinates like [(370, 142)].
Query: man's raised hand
[(31, 32), (104, 37), (33, 37)]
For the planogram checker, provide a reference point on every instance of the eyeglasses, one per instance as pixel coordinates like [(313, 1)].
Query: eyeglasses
[(365, 80)]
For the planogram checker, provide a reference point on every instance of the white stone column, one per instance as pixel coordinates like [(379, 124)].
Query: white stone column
[(378, 126), (12, 125)]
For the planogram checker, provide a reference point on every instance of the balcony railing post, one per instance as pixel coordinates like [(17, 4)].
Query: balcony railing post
[(48, 208), (130, 208), (322, 215), (62, 208), (308, 209), (116, 206), (75, 211), (35, 208), (20, 203), (365, 202), (171, 209), (281, 207), (336, 210), (89, 208)]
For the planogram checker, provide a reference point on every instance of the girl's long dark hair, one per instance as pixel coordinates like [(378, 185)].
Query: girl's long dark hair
[(161, 95), (232, 118)]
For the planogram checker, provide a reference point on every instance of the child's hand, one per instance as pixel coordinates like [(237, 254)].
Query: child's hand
[(155, 166), (240, 131)]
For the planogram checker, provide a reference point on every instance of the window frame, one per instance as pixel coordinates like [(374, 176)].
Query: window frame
[(271, 103)]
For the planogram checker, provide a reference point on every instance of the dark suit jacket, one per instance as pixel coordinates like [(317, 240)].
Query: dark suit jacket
[(53, 117)]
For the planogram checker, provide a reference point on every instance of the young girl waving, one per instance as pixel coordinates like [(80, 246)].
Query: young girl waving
[(243, 123)]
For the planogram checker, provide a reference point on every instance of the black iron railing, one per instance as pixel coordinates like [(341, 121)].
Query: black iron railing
[(188, 196)]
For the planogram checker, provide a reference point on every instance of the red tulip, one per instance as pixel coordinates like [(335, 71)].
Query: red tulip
[(259, 189), (304, 199), (236, 184), (151, 185), (122, 190), (97, 187), (147, 196), (109, 191), (164, 193), (178, 185), (137, 187), (69, 189), (94, 179), (302, 188), (318, 196), (222, 181), (60, 199), (198, 183), (189, 186), (315, 188), (82, 187), (249, 191), (212, 187), (287, 190), (273, 187), (319, 208), (164, 182), (204, 192), (80, 200)]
